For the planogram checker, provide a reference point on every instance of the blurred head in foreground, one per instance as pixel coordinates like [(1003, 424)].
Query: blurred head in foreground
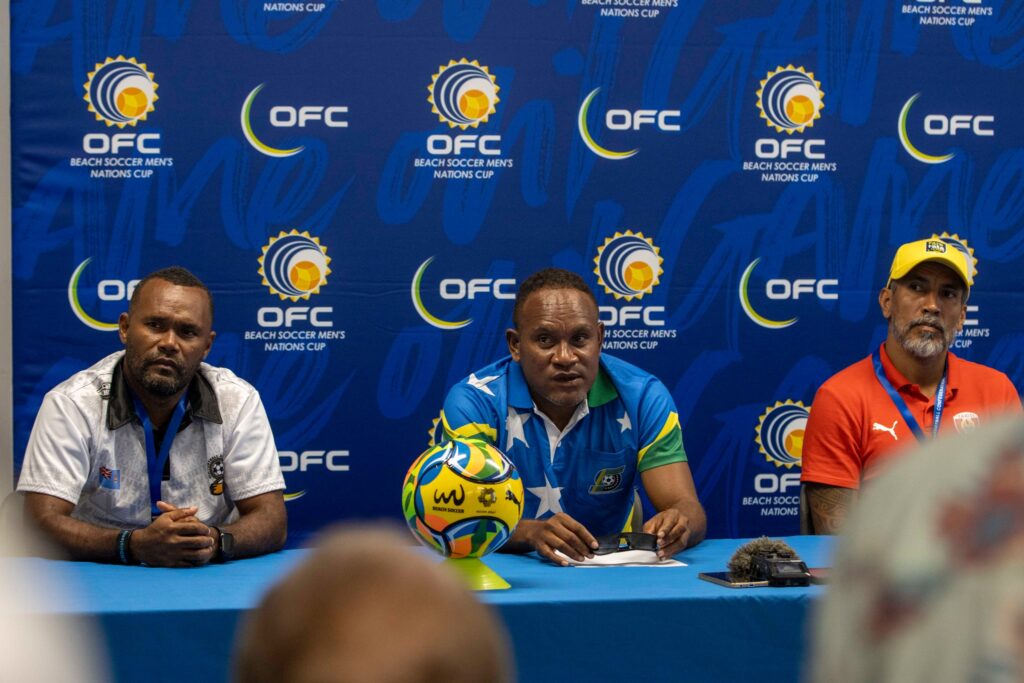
[(928, 582), (364, 607)]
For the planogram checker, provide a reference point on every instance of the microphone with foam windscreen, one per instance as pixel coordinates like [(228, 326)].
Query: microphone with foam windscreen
[(767, 559)]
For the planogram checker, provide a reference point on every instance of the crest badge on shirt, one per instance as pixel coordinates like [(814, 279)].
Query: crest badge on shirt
[(607, 480), (966, 422), (215, 466), (110, 479)]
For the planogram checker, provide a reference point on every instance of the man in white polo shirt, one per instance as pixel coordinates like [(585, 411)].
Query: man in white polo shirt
[(152, 456)]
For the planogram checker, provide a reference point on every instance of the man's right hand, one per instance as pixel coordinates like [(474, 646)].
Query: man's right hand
[(559, 532), (174, 539)]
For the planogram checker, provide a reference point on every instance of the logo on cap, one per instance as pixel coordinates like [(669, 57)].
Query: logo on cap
[(936, 246)]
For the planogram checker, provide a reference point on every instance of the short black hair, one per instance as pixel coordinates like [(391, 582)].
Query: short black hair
[(176, 275), (548, 278)]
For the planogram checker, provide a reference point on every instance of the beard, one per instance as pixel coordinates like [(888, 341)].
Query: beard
[(143, 371), (927, 345)]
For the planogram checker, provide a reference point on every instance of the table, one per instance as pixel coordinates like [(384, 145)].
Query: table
[(655, 624), (614, 624)]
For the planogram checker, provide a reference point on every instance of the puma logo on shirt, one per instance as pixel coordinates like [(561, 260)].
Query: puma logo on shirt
[(882, 428)]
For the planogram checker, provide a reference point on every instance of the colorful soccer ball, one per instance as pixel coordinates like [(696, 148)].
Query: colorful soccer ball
[(462, 498)]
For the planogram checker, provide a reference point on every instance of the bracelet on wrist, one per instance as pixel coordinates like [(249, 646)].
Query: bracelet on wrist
[(123, 551)]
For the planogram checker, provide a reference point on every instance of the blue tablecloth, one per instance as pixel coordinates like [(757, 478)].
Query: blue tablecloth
[(567, 624)]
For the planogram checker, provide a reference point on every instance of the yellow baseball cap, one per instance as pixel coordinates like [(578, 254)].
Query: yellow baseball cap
[(912, 254)]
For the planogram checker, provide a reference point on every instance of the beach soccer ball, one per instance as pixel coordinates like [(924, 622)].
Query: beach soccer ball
[(463, 498)]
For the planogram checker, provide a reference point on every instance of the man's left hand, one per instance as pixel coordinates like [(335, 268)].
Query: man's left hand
[(672, 529)]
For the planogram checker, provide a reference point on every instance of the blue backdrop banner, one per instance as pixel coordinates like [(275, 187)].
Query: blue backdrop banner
[(363, 185)]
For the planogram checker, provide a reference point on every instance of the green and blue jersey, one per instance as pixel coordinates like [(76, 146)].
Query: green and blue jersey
[(627, 425)]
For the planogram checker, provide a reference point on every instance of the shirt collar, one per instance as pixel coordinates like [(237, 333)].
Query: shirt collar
[(901, 383), (202, 401), (518, 391), (554, 434), (603, 390)]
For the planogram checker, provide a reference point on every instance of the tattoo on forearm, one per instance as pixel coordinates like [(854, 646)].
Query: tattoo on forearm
[(829, 506)]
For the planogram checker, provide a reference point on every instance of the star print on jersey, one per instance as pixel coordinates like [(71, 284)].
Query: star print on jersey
[(550, 498), (514, 423), (482, 382), (627, 426)]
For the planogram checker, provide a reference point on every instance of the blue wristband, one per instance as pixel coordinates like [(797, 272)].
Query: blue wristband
[(122, 545)]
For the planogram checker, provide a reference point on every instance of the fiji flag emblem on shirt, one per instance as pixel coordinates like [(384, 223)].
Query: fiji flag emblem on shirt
[(110, 479)]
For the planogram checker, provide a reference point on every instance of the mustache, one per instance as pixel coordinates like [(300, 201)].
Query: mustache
[(927, 320), (149, 362)]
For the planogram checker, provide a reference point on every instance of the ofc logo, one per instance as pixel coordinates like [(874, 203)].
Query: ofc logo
[(294, 265), (780, 433), (308, 460), (972, 329), (940, 125), (455, 289), (768, 482), (120, 92), (790, 101), (961, 245), (436, 431), (286, 116), (624, 119), (463, 94), (301, 462), (629, 267), (106, 290), (779, 289)]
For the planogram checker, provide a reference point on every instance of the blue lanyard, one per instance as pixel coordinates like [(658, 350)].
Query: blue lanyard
[(157, 461), (901, 405)]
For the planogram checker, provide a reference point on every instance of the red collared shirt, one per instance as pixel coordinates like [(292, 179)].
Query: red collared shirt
[(854, 428)]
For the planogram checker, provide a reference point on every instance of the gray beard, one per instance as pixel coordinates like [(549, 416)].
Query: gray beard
[(920, 347)]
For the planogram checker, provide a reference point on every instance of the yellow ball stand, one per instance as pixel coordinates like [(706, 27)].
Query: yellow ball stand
[(477, 575)]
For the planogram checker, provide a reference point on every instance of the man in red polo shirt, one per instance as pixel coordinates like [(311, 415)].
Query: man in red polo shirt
[(909, 390)]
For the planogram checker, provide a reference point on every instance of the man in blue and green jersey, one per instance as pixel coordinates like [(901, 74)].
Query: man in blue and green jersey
[(584, 430)]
